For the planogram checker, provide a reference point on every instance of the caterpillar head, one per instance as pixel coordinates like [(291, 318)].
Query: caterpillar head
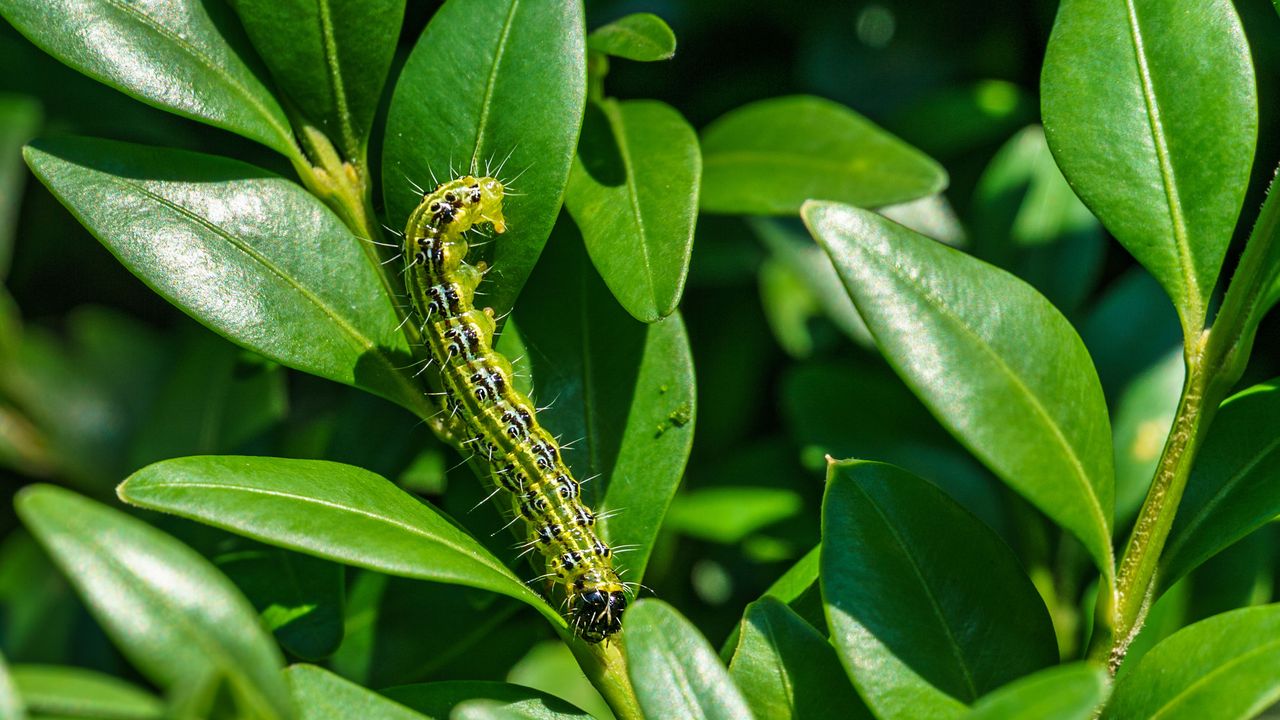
[(490, 203), (597, 613)]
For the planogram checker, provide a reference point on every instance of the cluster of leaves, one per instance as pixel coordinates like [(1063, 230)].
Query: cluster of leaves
[(968, 594)]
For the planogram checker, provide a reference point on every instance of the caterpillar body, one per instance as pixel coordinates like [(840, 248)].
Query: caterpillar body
[(523, 458)]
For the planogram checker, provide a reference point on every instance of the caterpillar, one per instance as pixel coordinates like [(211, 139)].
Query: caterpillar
[(523, 458)]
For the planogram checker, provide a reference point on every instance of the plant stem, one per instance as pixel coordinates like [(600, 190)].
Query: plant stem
[(1215, 361), (605, 665)]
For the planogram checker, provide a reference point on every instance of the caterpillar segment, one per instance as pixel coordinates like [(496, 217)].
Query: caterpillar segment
[(523, 458)]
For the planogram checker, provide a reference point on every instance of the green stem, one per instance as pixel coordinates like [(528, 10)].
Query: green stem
[(605, 665), (1215, 361)]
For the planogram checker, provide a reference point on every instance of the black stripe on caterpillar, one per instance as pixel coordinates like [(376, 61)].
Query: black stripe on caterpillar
[(523, 458)]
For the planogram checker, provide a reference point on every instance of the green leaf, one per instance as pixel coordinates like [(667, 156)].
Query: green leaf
[(1129, 329), (170, 55), (460, 699), (1066, 692), (1150, 109), (495, 87), (623, 390), (991, 358), (251, 255), (329, 57), (1226, 667), (768, 157), (75, 692), (176, 618), (673, 669), (1232, 490), (1143, 418), (787, 670), (639, 36), (551, 668), (928, 608), (633, 192), (729, 514), (329, 510), (19, 120), (300, 597), (11, 706), (39, 614), (1028, 221), (321, 695)]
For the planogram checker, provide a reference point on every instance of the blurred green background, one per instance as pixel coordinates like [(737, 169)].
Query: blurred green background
[(111, 377)]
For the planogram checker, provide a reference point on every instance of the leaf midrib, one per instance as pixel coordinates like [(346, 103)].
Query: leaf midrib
[(1172, 199), (358, 339), (1204, 679), (633, 195), (952, 643), (285, 134), (491, 565), (1095, 504), (180, 617), (335, 78), (1204, 512), (486, 98)]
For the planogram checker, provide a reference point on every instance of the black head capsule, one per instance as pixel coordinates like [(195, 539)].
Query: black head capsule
[(597, 614)]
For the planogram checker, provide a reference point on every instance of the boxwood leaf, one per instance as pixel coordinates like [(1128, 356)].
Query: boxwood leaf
[(1226, 667), (787, 670), (51, 690), (497, 88), (673, 669), (638, 36), (927, 607), (1151, 111), (1066, 692), (768, 157), (334, 511), (321, 695), (621, 393), (633, 192), (1233, 489), (170, 55), (993, 360), (329, 57), (250, 255), (176, 618), (465, 699)]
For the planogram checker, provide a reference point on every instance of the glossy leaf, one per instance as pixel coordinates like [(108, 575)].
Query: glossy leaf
[(638, 36), (633, 192), (787, 670), (550, 667), (1067, 692), (176, 618), (621, 392), (19, 120), (170, 55), (1233, 488), (729, 514), (74, 692), (673, 669), (321, 695), (329, 510), (251, 255), (973, 343), (927, 607), (329, 57), (1226, 667), (11, 705), (1143, 417), (1151, 111), (472, 699), (768, 157), (495, 87)]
